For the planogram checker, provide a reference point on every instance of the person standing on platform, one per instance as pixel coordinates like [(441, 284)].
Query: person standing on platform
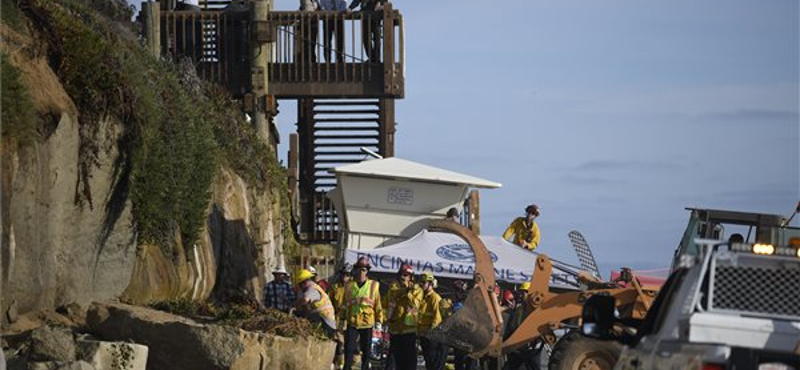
[(524, 230)]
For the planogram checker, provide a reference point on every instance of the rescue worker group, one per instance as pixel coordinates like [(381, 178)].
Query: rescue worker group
[(351, 311)]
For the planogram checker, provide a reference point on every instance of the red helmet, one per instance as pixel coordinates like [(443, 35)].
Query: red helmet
[(508, 296), (363, 261), (406, 268)]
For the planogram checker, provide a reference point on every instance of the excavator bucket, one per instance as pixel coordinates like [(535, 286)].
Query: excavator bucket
[(476, 327), (469, 329)]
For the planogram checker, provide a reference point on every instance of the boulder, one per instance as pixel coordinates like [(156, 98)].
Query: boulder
[(52, 344), (60, 365), (112, 355), (177, 343)]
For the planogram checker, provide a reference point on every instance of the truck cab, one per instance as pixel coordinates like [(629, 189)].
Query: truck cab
[(726, 305)]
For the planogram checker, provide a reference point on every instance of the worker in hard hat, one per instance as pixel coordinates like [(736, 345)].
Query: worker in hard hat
[(524, 230), (313, 303), (430, 316), (364, 311), (404, 299), (336, 292)]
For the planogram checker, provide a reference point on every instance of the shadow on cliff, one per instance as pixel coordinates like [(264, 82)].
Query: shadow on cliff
[(236, 256)]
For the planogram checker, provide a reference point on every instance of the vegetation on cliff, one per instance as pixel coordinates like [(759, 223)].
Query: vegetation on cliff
[(177, 129)]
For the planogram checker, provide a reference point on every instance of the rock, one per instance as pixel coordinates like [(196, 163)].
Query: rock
[(112, 355), (52, 344), (177, 343), (60, 365)]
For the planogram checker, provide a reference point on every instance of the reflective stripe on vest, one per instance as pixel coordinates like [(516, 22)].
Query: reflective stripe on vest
[(358, 297), (323, 306)]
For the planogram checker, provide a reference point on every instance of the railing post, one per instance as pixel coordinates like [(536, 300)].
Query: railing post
[(474, 212), (388, 50), (152, 26)]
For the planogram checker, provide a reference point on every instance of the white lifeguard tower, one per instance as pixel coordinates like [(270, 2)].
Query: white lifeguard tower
[(384, 201)]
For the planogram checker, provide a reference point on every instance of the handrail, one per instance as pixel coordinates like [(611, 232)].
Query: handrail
[(331, 47)]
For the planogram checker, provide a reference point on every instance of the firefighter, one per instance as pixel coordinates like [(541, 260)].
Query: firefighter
[(336, 292), (363, 311), (430, 313), (524, 229), (403, 301), (313, 303)]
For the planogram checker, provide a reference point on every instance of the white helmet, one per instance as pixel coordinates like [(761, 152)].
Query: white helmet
[(313, 270)]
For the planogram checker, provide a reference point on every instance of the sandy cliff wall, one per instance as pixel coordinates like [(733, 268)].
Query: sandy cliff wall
[(57, 250)]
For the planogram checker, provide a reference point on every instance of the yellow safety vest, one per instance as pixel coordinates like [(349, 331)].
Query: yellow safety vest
[(363, 304), (323, 306), (403, 306), (430, 312), (337, 293)]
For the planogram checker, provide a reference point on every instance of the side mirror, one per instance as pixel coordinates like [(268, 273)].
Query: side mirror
[(598, 317)]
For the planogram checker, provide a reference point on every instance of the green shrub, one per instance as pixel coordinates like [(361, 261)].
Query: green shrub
[(19, 119)]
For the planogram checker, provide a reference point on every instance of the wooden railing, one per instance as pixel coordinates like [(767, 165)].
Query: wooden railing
[(337, 54)]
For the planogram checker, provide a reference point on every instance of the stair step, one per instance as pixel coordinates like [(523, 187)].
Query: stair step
[(347, 136), (352, 119), (342, 152), (337, 161), (335, 103), (341, 128), (358, 111), (342, 145)]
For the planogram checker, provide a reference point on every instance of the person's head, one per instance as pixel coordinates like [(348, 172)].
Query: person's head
[(531, 212), (736, 238), (428, 282), (304, 278), (452, 214), (345, 271), (362, 267), (280, 274), (405, 273), (508, 298)]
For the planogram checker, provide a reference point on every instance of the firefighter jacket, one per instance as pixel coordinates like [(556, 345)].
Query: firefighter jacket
[(322, 307), (430, 312), (403, 304), (527, 236), (336, 292), (363, 304)]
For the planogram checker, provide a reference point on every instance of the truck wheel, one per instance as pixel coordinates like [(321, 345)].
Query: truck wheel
[(576, 352)]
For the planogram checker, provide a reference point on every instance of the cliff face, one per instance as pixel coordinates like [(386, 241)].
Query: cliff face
[(58, 249)]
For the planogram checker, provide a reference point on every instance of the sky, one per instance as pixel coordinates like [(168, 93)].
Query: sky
[(612, 116)]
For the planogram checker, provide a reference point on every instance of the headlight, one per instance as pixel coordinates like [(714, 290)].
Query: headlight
[(767, 249)]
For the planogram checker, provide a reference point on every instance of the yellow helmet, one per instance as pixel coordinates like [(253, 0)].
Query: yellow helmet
[(303, 275), (525, 286), (428, 277)]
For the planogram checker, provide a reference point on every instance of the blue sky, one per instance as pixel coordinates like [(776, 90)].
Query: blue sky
[(611, 115)]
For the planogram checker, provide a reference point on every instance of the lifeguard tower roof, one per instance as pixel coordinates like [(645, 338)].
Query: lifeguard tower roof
[(396, 168)]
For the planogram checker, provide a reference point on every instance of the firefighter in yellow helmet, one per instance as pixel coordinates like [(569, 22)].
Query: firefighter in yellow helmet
[(313, 303), (404, 299), (363, 311), (430, 313), (336, 292), (524, 230)]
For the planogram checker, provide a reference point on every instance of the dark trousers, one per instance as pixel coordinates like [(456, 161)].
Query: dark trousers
[(361, 336), (404, 351), (306, 41), (334, 28), (463, 362), (435, 354), (371, 35)]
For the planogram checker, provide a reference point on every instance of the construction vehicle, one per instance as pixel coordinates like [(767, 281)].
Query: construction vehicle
[(729, 304), (478, 327)]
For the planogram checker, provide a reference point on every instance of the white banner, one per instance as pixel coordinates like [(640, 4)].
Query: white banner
[(447, 255)]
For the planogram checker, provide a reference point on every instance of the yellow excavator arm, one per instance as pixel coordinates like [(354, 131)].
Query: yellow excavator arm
[(477, 327)]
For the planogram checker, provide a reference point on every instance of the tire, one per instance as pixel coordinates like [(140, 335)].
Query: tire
[(576, 352)]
